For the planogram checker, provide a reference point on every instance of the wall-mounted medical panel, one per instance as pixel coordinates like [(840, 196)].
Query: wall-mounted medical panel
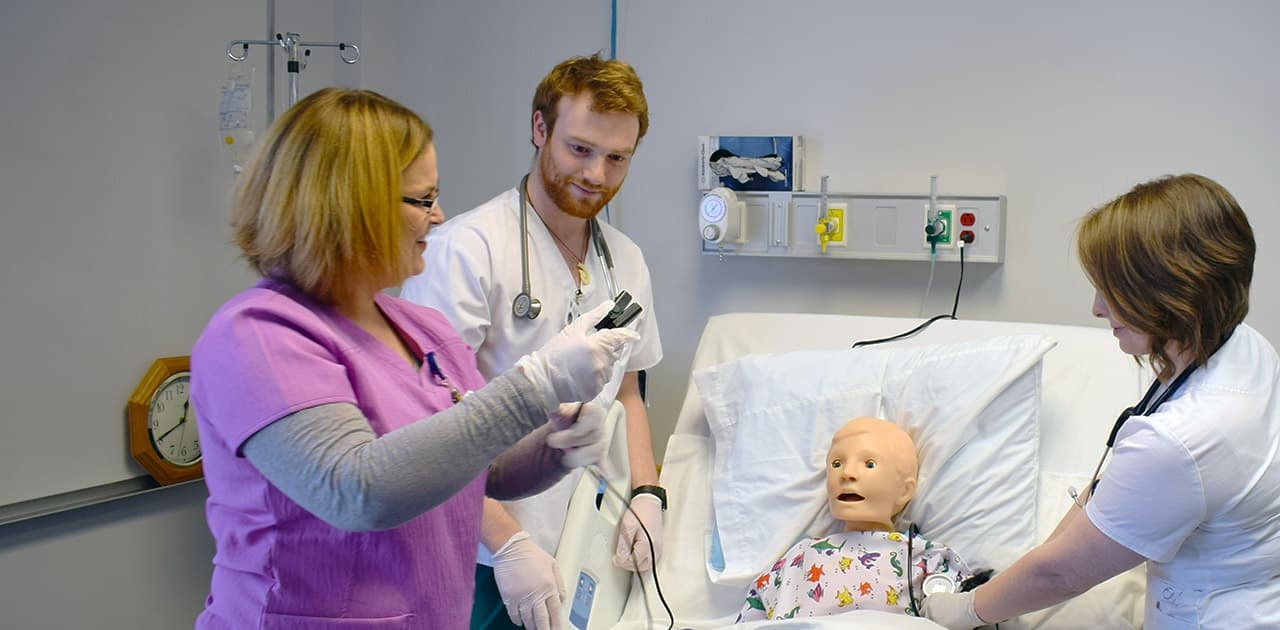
[(853, 226)]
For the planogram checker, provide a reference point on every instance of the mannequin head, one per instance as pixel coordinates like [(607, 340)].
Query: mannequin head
[(871, 474)]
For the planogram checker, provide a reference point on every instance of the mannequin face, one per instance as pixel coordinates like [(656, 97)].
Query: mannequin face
[(870, 474)]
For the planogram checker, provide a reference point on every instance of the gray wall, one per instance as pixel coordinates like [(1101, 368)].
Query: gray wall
[(113, 251), (113, 237), (1058, 106)]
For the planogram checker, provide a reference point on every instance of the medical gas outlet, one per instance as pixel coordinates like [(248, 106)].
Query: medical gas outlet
[(938, 226), (720, 217), (830, 227)]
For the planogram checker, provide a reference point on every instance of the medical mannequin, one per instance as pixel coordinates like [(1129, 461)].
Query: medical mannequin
[(871, 472), (1192, 486), (533, 242)]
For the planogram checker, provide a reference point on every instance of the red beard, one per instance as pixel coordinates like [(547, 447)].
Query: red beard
[(559, 188)]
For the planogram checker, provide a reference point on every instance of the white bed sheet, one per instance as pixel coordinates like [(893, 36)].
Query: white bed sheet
[(1087, 381)]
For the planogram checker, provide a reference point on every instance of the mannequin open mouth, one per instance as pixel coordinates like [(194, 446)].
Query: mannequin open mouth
[(850, 497)]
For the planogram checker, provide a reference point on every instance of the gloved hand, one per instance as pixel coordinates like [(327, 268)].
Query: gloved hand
[(953, 610), (576, 364), (631, 539), (579, 432), (529, 582)]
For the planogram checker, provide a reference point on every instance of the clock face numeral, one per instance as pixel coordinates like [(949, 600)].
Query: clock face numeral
[(172, 421)]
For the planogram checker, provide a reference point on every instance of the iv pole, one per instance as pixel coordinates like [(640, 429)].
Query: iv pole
[(291, 42)]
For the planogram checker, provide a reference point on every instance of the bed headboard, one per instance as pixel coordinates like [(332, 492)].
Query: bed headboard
[(1087, 380)]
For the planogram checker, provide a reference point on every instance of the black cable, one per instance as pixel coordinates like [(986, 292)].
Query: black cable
[(911, 591), (913, 331), (954, 307), (652, 556)]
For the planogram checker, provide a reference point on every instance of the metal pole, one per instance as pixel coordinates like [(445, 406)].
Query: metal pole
[(271, 62)]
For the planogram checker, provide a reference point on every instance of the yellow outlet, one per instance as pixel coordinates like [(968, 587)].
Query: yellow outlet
[(830, 227), (837, 215)]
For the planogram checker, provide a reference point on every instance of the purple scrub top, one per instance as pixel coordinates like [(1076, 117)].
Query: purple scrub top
[(269, 352)]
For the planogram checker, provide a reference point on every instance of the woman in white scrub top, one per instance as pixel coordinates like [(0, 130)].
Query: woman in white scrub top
[(1193, 485)]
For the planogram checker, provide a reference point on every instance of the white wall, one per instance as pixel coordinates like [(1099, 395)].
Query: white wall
[(114, 250), (470, 69), (1060, 107), (111, 184)]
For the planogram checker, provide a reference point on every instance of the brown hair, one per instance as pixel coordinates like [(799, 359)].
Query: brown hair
[(1173, 258), (318, 205), (612, 84)]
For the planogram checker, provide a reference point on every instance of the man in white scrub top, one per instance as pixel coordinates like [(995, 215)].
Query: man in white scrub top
[(589, 115)]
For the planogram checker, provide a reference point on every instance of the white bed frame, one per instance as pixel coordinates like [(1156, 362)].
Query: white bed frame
[(1087, 381)]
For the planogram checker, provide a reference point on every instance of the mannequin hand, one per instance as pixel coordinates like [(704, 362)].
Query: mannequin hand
[(579, 432), (631, 539), (529, 582), (953, 610), (577, 363)]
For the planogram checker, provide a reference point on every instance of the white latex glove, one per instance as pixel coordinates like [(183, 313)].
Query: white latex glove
[(631, 539), (953, 610), (579, 432), (529, 582), (576, 364)]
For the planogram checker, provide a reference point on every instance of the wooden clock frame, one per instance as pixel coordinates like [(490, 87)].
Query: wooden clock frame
[(140, 444)]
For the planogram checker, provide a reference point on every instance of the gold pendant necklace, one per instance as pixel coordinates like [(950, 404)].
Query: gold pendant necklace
[(584, 277)]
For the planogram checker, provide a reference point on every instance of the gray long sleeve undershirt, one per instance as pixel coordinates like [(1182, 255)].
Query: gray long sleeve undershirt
[(328, 459)]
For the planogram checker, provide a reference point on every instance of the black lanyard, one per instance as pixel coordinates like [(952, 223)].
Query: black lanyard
[(1147, 406)]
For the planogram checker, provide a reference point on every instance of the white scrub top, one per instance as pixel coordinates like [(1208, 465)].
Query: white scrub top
[(472, 275), (1195, 488)]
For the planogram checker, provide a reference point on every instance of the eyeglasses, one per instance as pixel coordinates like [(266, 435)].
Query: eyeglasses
[(425, 203)]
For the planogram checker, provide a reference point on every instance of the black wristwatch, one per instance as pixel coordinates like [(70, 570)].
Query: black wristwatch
[(657, 491)]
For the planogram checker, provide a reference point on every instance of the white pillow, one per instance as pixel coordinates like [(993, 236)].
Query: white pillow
[(970, 407)]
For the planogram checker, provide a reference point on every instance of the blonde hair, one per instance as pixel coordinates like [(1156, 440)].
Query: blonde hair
[(319, 203), (612, 84), (1173, 258)]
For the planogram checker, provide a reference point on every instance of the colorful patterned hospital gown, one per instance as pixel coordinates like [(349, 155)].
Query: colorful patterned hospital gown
[(847, 571)]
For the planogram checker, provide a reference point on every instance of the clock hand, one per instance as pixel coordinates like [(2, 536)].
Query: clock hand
[(181, 422)]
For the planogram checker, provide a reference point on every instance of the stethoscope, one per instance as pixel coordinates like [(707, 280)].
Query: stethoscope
[(1145, 407), (525, 306)]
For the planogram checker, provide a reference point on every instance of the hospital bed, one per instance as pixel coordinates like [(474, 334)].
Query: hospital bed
[(1008, 418)]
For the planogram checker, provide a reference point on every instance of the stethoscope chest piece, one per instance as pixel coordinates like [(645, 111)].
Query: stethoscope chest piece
[(938, 583), (525, 307)]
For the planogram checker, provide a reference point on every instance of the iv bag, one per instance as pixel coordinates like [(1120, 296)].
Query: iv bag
[(234, 132)]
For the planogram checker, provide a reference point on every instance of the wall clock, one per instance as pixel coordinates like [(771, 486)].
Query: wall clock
[(162, 424)]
